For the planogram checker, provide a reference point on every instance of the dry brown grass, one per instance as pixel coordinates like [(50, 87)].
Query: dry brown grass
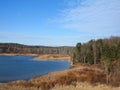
[(67, 77), (115, 74), (53, 57), (72, 79), (7, 87), (79, 86), (85, 86)]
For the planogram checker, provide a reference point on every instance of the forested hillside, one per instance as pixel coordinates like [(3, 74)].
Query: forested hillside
[(105, 52), (23, 49), (95, 51)]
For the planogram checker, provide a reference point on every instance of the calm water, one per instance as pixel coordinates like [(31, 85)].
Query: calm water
[(24, 67)]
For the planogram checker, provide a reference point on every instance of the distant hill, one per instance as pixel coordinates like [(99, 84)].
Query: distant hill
[(23, 49)]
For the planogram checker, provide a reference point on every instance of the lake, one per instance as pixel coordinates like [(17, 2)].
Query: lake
[(24, 67)]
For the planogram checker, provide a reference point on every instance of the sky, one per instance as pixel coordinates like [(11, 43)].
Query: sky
[(58, 22)]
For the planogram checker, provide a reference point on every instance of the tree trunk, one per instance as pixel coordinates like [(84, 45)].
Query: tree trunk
[(84, 59), (107, 78)]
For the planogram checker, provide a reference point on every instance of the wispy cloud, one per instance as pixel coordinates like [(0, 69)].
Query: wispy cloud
[(43, 40), (97, 17)]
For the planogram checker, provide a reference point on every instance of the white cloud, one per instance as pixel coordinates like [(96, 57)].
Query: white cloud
[(100, 17)]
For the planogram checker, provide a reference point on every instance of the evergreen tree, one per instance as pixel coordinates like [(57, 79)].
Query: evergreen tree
[(77, 53)]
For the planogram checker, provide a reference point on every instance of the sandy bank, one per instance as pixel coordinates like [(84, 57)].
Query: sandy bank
[(53, 57)]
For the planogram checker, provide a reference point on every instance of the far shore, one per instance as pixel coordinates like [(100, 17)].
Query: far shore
[(42, 56), (17, 54)]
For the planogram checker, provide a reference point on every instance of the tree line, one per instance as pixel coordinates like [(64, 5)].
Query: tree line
[(23, 49), (95, 51)]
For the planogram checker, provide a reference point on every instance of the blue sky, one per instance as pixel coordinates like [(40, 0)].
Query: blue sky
[(58, 22)]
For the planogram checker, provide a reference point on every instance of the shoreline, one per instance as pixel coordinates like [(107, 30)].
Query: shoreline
[(58, 78), (52, 57), (41, 56), (13, 54), (44, 57)]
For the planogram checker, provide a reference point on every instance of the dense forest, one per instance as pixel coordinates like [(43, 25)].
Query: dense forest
[(23, 49), (96, 51), (105, 52)]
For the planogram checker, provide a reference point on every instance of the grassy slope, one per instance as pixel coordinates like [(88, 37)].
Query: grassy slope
[(85, 86), (79, 86)]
